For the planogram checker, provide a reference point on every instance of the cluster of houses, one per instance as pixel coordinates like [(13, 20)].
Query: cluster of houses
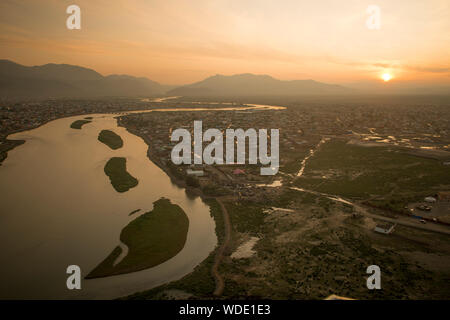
[(21, 116), (385, 228)]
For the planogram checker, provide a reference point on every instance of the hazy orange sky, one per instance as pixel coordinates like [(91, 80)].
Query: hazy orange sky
[(177, 42)]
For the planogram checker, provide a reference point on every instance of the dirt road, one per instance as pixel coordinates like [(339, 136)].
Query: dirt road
[(215, 268), (405, 221)]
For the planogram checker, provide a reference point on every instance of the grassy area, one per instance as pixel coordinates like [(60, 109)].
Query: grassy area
[(246, 216), (111, 139), (291, 167), (200, 283), (356, 171), (121, 180), (79, 123), (292, 161), (152, 238)]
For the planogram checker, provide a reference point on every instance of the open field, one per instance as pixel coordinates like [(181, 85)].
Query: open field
[(116, 170), (152, 238), (362, 172)]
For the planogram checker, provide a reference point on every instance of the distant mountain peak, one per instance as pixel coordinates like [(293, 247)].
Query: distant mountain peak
[(65, 80), (255, 84)]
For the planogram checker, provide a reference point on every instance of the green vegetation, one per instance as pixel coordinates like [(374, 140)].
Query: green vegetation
[(292, 161), (121, 180), (246, 216), (79, 123), (111, 139), (214, 190), (192, 181), (357, 171), (199, 282), (152, 238), (306, 257), (284, 199), (176, 171)]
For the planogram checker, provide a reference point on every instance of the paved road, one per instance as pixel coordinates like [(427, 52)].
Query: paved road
[(409, 222), (404, 221)]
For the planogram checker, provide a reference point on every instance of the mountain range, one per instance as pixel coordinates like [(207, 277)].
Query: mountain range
[(63, 80), (254, 85)]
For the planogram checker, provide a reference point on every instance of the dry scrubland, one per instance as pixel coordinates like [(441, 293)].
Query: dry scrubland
[(323, 247), (319, 249)]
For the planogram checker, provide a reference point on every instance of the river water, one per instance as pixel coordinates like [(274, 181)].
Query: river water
[(58, 208)]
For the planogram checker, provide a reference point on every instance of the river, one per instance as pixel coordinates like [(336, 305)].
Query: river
[(58, 208)]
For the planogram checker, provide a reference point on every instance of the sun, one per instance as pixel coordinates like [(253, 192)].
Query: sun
[(386, 77)]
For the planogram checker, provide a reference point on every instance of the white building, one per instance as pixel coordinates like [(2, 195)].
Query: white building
[(197, 173), (385, 229), (430, 199)]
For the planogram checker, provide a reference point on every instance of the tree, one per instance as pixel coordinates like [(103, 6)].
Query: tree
[(192, 181)]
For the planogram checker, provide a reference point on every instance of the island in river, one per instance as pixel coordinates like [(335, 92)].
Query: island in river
[(111, 139), (79, 123), (92, 208), (116, 170)]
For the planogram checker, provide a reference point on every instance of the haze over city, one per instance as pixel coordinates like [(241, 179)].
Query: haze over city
[(134, 153), (181, 42)]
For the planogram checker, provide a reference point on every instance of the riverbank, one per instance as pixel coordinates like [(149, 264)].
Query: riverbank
[(205, 281), (181, 183), (200, 282), (7, 146)]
